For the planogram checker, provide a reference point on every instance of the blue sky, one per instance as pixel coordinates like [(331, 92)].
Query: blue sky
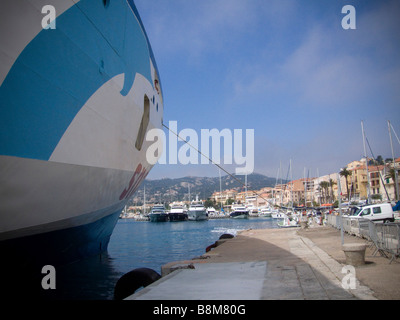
[(286, 69)]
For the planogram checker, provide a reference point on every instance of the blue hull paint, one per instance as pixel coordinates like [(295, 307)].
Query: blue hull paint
[(59, 247), (24, 258), (59, 70), (44, 91)]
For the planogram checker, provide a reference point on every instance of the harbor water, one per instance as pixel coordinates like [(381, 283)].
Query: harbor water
[(135, 244)]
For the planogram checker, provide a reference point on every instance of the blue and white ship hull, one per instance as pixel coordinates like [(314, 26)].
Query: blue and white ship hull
[(75, 105)]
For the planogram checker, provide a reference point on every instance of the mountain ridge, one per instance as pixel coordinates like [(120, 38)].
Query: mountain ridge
[(167, 190)]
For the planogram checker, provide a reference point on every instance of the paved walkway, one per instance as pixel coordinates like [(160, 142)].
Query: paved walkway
[(276, 264)]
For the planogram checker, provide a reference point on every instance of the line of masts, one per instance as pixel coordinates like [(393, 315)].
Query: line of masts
[(365, 140), (393, 158), (390, 128)]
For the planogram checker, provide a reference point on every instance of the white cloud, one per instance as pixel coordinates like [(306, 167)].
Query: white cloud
[(299, 66), (195, 28), (324, 75), (331, 67)]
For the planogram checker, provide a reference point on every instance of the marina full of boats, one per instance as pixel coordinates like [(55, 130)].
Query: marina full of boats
[(285, 217)]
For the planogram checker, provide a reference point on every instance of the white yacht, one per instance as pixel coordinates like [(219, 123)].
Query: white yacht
[(197, 211), (289, 222), (278, 215), (253, 210), (265, 212), (239, 212), (158, 214), (178, 212), (211, 211)]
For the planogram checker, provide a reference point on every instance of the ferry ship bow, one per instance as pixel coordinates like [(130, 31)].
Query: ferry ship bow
[(76, 103)]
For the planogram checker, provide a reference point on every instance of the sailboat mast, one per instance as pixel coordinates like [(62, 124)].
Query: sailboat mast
[(366, 163), (144, 200), (305, 189), (220, 189), (340, 207), (394, 162), (395, 134), (319, 192), (276, 184), (281, 195), (245, 188), (291, 179)]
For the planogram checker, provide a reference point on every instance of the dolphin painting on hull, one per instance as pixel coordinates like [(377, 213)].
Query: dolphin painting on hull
[(60, 69), (75, 105)]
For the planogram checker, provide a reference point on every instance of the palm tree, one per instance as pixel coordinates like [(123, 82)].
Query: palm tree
[(346, 173), (379, 160), (324, 187), (331, 184), (321, 189)]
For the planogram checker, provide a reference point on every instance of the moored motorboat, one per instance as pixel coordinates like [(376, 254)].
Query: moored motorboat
[(197, 211), (239, 212), (278, 215), (289, 222), (265, 212), (158, 214), (178, 212), (211, 212)]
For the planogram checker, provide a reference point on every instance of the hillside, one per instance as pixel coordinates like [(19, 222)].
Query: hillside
[(169, 190)]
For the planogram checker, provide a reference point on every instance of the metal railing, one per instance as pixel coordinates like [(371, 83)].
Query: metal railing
[(384, 237), (387, 239)]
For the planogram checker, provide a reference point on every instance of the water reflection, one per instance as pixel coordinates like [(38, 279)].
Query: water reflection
[(142, 244)]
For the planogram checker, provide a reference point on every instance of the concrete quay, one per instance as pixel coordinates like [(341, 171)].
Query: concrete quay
[(277, 264)]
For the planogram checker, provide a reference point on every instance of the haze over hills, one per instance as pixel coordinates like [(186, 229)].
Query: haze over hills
[(169, 190)]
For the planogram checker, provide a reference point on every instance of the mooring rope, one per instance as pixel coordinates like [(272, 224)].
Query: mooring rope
[(212, 162)]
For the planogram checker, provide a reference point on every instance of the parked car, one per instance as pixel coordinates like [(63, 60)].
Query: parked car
[(375, 212)]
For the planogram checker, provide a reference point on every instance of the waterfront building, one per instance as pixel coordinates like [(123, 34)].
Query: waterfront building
[(377, 189), (277, 196), (382, 181), (326, 188), (356, 163), (379, 180), (294, 192), (358, 183), (265, 196), (223, 196), (389, 181), (240, 197)]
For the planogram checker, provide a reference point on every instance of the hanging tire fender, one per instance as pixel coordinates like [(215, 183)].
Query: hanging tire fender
[(214, 245), (226, 236), (133, 280)]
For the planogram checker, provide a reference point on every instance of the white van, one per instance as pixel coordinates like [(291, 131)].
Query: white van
[(376, 212)]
